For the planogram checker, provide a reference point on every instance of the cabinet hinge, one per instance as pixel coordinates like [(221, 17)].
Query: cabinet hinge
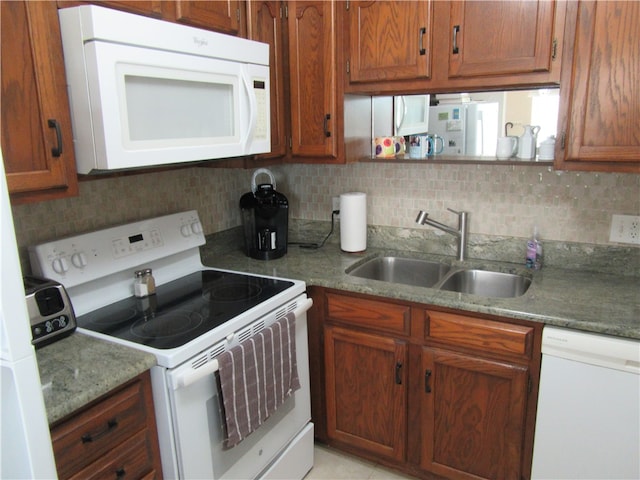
[(562, 141), (286, 11), (348, 67), (281, 12), (238, 14), (347, 5), (554, 49)]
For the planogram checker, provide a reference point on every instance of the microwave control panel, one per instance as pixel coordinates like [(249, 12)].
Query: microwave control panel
[(262, 120)]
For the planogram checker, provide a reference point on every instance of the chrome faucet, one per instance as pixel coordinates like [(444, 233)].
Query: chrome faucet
[(461, 233)]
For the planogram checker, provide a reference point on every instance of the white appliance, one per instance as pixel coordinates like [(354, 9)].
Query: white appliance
[(196, 314), (411, 114), (25, 444), (588, 420), (467, 128), (147, 92), (400, 115)]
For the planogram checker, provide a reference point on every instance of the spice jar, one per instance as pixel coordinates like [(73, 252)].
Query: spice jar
[(144, 283)]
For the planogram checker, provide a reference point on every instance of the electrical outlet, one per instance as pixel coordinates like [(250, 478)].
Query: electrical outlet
[(625, 229), (335, 203)]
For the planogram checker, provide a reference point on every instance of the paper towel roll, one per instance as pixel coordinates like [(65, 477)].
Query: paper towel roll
[(353, 222)]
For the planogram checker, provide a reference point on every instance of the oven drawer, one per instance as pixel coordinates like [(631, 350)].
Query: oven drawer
[(99, 432)]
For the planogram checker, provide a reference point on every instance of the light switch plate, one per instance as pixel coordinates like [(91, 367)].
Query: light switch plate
[(335, 203), (625, 229)]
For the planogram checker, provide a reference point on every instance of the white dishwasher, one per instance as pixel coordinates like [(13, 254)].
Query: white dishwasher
[(588, 420)]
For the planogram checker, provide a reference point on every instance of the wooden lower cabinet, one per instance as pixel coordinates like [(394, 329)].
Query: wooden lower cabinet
[(114, 437), (366, 391), (473, 415), (437, 394)]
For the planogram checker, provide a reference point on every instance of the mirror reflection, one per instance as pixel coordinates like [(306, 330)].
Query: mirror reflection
[(468, 123)]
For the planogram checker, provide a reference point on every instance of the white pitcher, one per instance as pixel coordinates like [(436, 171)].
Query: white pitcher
[(527, 142)]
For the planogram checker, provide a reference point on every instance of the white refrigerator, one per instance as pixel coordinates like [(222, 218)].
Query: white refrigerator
[(25, 447), (466, 128)]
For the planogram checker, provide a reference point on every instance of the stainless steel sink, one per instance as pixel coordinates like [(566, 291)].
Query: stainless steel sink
[(486, 283), (440, 276), (408, 271)]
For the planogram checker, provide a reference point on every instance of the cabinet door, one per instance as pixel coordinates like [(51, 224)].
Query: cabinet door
[(37, 143), (473, 416), (498, 37), (221, 15), (366, 377), (264, 24), (151, 8), (389, 40), (312, 63), (601, 104)]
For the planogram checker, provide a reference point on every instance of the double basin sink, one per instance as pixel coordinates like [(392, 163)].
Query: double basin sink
[(440, 276)]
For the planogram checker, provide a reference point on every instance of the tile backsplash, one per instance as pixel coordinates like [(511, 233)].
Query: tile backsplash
[(503, 200)]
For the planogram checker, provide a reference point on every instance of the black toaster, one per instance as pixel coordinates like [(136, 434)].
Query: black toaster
[(50, 310)]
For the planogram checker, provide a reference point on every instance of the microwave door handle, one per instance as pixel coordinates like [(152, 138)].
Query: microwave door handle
[(253, 108), (401, 113)]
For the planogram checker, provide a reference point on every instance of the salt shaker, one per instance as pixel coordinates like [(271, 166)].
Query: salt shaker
[(144, 283)]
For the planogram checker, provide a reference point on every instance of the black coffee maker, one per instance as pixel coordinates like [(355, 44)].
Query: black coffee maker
[(265, 219)]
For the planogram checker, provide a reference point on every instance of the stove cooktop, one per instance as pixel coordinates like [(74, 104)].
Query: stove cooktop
[(183, 309)]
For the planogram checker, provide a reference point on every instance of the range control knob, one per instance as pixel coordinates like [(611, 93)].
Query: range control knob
[(185, 230), (79, 260), (196, 227), (60, 265)]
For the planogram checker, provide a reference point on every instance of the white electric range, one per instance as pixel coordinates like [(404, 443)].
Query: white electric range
[(196, 314)]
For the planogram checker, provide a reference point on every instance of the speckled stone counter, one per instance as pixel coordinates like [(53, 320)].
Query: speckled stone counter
[(576, 298), (78, 369)]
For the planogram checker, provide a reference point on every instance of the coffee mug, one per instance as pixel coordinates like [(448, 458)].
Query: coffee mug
[(433, 144), (422, 146), (388, 147), (507, 147)]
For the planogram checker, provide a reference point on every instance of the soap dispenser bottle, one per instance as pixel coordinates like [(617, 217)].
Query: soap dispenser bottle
[(534, 251)]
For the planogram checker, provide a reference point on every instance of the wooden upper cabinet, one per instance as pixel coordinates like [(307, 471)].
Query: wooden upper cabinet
[(497, 38), (265, 24), (150, 8), (37, 143), (315, 122), (600, 106), (389, 40), (221, 15)]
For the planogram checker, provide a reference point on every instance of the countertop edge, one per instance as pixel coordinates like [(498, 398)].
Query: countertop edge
[(79, 369)]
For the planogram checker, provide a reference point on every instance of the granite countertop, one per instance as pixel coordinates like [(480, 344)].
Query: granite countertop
[(580, 299), (78, 369)]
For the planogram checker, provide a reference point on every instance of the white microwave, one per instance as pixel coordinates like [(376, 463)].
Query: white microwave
[(146, 92)]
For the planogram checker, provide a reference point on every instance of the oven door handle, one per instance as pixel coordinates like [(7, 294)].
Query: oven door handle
[(192, 376)]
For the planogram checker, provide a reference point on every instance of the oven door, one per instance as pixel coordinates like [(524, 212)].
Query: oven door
[(199, 432)]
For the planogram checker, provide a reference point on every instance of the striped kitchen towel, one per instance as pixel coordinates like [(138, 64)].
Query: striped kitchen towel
[(257, 376)]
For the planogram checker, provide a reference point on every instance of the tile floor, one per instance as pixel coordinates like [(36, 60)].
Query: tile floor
[(330, 464)]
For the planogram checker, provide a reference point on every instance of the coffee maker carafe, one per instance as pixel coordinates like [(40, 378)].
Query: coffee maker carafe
[(265, 219)]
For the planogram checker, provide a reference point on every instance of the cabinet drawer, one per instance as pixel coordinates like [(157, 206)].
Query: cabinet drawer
[(99, 429), (132, 459), (372, 314), (486, 335)]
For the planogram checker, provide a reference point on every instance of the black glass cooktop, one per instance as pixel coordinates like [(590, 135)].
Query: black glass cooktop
[(183, 309)]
